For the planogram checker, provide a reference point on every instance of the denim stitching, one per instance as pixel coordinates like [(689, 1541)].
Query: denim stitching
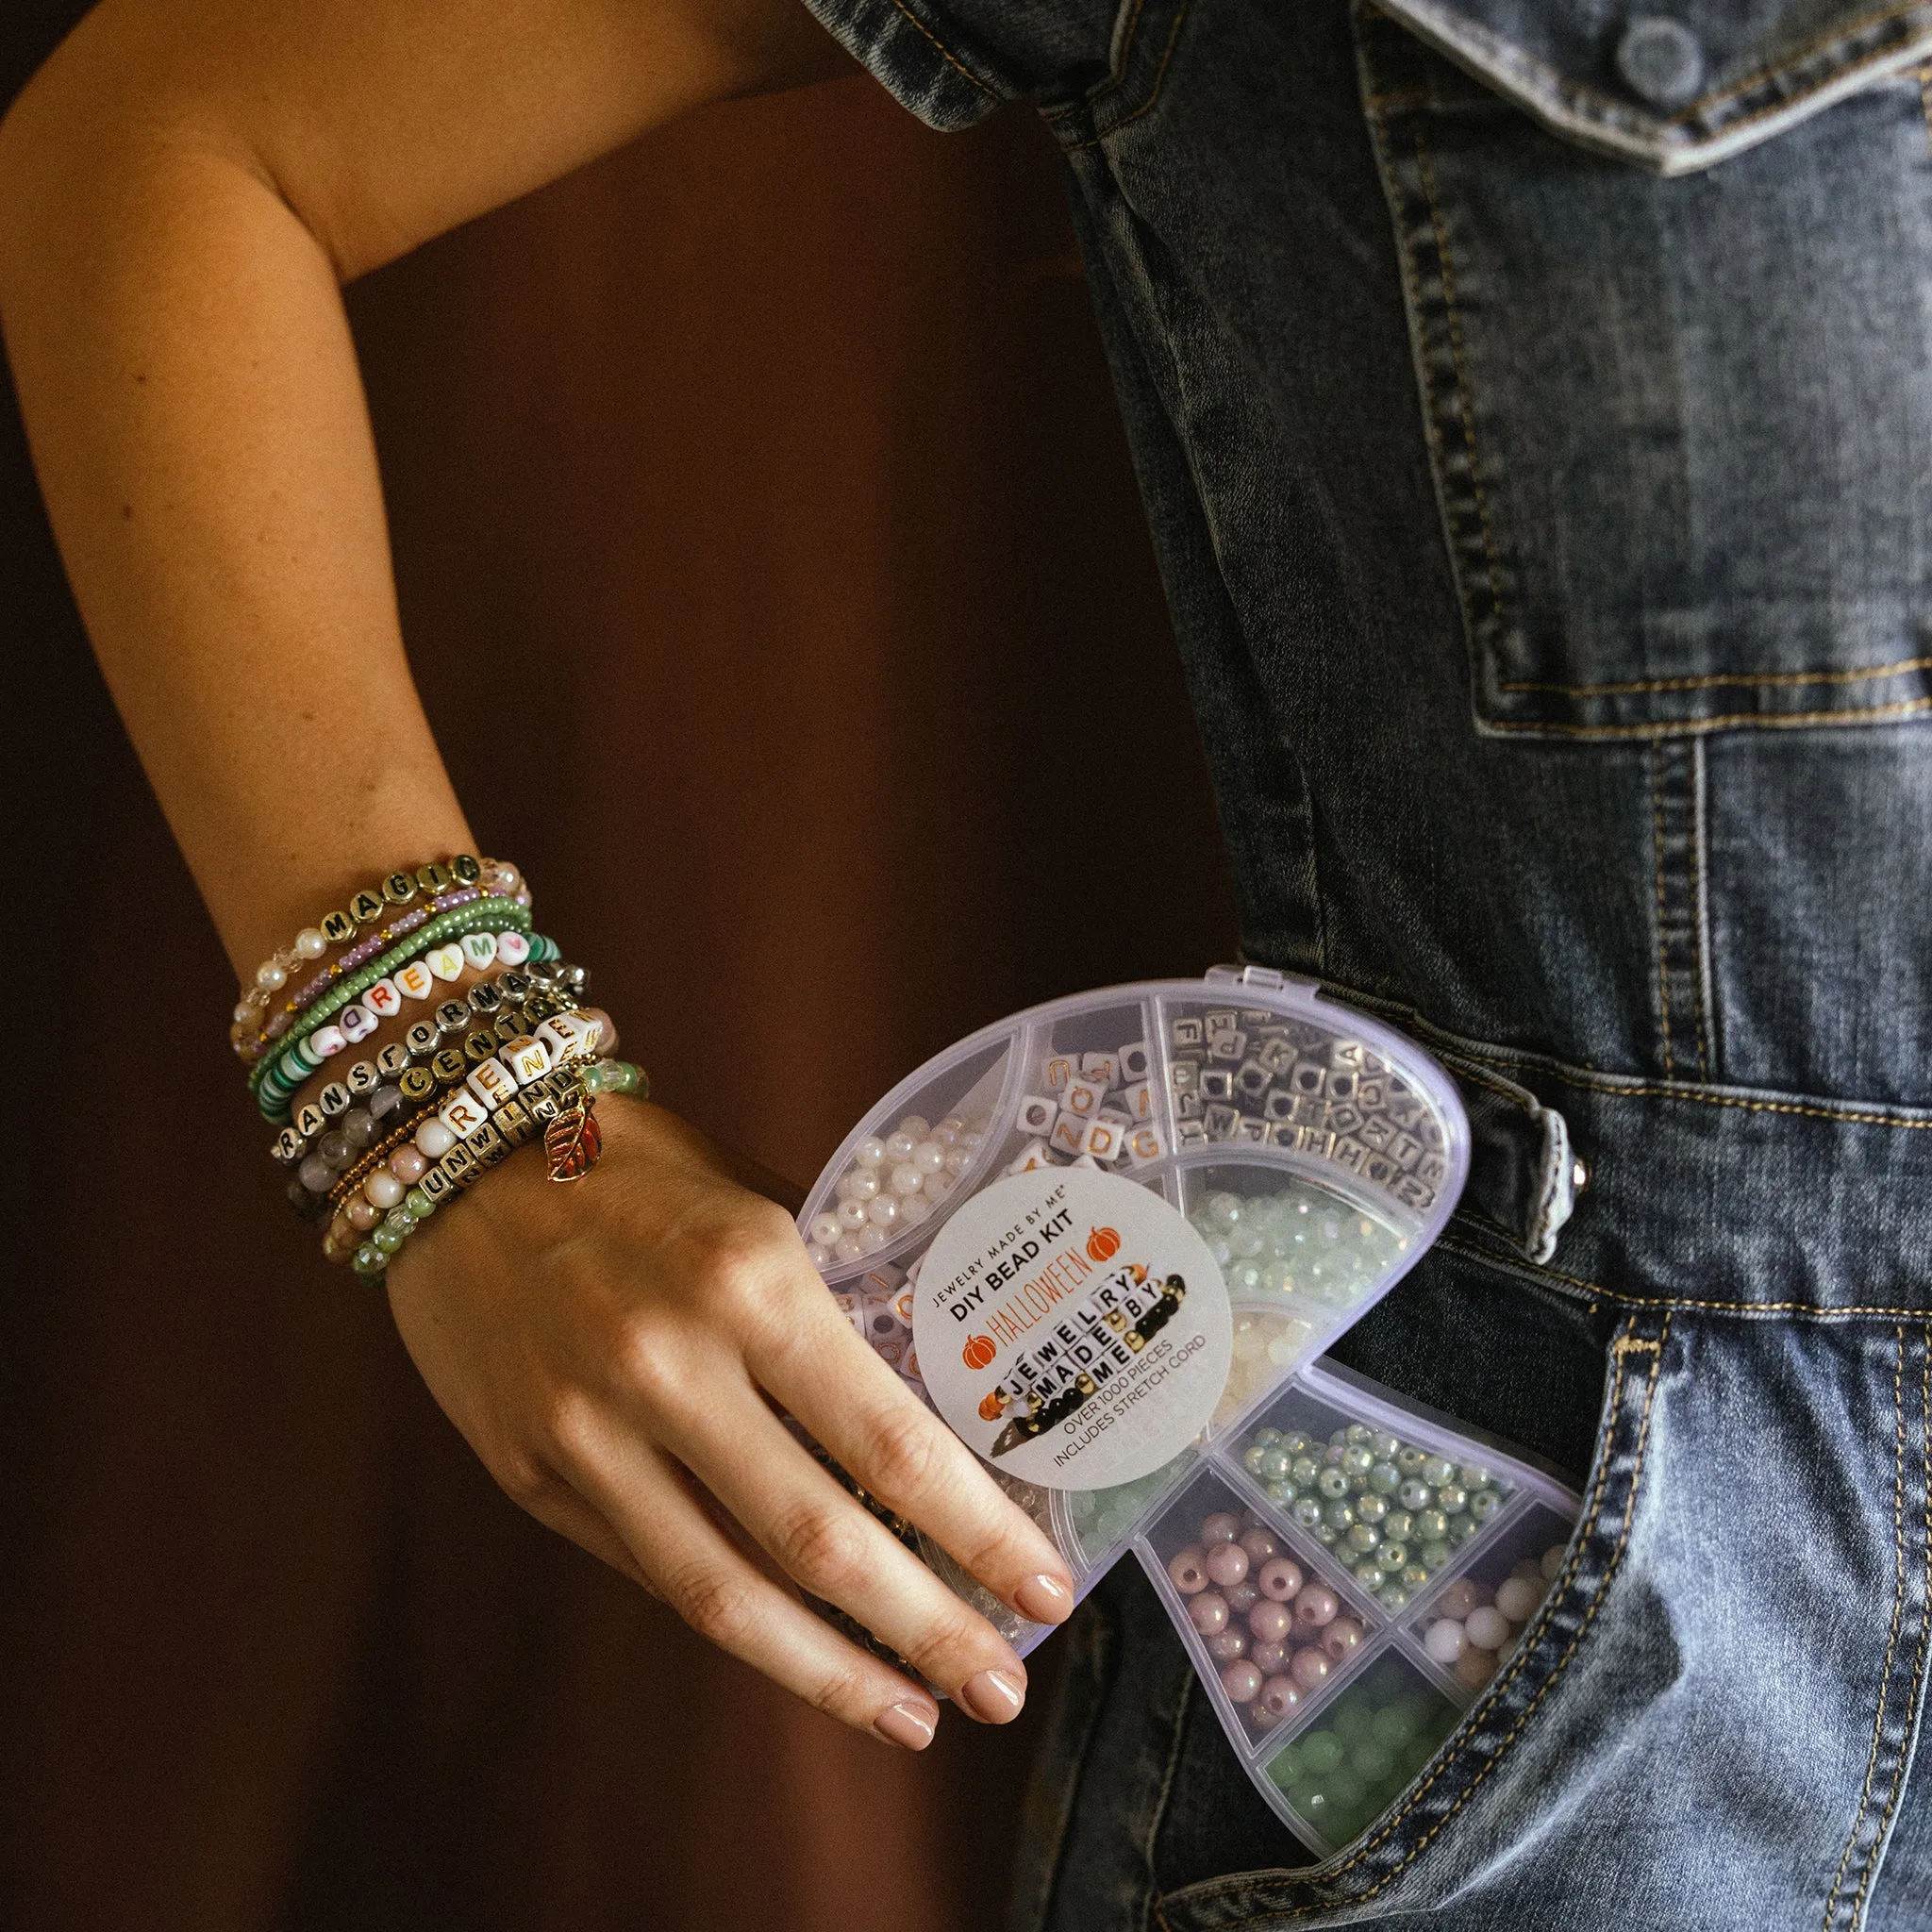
[(1741, 721), (1174, 35), (1174, 1760), (946, 53), (1745, 678), (1926, 102), (1621, 1350), (1657, 850), (1898, 1611), (1874, 1855), (1534, 1272), (1699, 906)]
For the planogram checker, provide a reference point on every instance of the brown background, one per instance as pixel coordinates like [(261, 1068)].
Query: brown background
[(772, 572)]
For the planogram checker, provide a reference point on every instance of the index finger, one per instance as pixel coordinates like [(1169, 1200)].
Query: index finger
[(809, 1357)]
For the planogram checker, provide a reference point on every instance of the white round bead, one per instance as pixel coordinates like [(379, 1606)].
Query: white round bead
[(938, 1185), (311, 943), (958, 1160), (914, 1208), (245, 1012), (929, 1156), (1444, 1640), (820, 1258), (907, 1179), (852, 1214), (900, 1146), (434, 1139), (916, 1126), (883, 1209), (1517, 1599), (848, 1248), (869, 1153), (1485, 1628), (271, 977), (861, 1184), (383, 1189), (871, 1239), (826, 1230), (513, 949)]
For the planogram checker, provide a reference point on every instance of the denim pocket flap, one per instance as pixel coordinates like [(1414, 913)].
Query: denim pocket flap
[(1674, 88)]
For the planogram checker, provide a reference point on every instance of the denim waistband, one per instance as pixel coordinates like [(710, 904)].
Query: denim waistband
[(1707, 1196)]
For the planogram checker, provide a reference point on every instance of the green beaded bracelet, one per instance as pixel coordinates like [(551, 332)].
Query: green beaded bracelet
[(386, 1239), (289, 1068), (282, 1082)]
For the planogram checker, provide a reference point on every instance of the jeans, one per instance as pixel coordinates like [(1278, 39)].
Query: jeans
[(1533, 406)]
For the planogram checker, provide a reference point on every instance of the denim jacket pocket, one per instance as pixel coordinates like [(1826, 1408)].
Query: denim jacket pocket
[(1679, 403), (1512, 1754)]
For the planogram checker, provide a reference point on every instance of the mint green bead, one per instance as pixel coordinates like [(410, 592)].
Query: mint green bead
[(1265, 1436), (1399, 1524), (385, 1239), (1452, 1499), (1339, 1515), (1385, 1478), (1321, 1753), (1434, 1555), (1436, 1471), (1363, 1535), (1276, 1464), (1431, 1526), (1394, 1556), (419, 1204), (1484, 1505), (400, 1221), (369, 1259)]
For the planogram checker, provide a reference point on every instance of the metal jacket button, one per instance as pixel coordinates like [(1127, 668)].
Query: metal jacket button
[(1660, 61)]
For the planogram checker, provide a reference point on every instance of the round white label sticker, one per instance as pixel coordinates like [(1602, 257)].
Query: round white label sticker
[(1071, 1327)]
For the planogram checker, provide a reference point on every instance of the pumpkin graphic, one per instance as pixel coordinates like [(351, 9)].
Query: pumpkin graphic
[(1103, 1245), (978, 1351)]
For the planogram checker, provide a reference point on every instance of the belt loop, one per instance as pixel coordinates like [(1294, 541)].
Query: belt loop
[(1522, 1173)]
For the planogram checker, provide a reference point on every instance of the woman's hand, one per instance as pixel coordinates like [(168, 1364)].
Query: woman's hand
[(602, 1345)]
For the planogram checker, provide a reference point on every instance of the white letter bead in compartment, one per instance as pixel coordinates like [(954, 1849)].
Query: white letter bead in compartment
[(1159, 1201)]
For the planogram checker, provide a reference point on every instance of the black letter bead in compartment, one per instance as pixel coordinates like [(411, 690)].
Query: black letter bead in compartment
[(1473, 1617), (1273, 1623)]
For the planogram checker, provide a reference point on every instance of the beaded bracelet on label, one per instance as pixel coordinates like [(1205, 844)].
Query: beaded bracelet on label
[(339, 928), (275, 1080)]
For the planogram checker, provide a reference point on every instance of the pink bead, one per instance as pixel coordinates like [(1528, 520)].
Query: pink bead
[(1280, 1696), (1270, 1621), (1187, 1571), (1242, 1598), (383, 1187), (1224, 1646), (1207, 1612), (1341, 1637), (1309, 1667), (1226, 1562), (1259, 1545), (1315, 1607), (1280, 1578), (1242, 1682), (407, 1166), (434, 1139), (512, 948), (1268, 1657), (363, 1213), (1221, 1528), (1458, 1599)]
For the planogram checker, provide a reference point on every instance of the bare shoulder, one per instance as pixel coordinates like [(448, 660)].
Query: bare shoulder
[(383, 123)]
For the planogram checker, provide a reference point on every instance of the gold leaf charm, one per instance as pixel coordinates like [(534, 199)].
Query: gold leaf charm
[(572, 1140)]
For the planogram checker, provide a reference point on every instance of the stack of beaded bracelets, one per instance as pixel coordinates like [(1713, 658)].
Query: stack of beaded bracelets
[(515, 1057)]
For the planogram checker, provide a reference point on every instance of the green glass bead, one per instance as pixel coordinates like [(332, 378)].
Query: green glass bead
[(1413, 1575), (1295, 1442), (1339, 1515), (1433, 1556), (1338, 1439), (1484, 1505), (1308, 1511), (1461, 1529), (1358, 1432), (1368, 1573), (1374, 1763), (1331, 1482), (1358, 1461), (1265, 1436), (1399, 1524), (369, 1259), (401, 1219), (1275, 1464), (1363, 1535), (1431, 1526), (1251, 1460), (1352, 1722), (1322, 1752), (1371, 1508), (386, 1238), (1452, 1499), (419, 1204), (1326, 1535), (1385, 1478), (1414, 1496), (1410, 1461), (1394, 1556), (1473, 1478), (1305, 1469), (1385, 1445), (1392, 1596), (1436, 1471), (1394, 1725)]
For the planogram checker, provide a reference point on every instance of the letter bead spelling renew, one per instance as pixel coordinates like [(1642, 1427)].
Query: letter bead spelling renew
[(462, 1114), (491, 1082)]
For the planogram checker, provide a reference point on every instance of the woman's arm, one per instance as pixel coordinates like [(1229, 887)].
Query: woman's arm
[(182, 189)]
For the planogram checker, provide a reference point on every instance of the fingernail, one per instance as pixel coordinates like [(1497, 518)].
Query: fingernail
[(1046, 1598), (993, 1697), (905, 1725)]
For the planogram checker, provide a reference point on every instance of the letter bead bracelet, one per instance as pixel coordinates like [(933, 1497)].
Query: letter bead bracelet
[(462, 879), (476, 1072)]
